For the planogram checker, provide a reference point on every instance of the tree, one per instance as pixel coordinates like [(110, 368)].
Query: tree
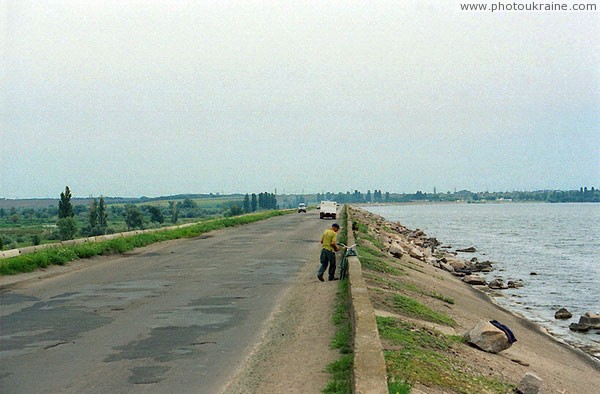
[(93, 214), (253, 202), (66, 224), (102, 216), (235, 210), (174, 215), (133, 217), (156, 214), (66, 228), (247, 203), (65, 208)]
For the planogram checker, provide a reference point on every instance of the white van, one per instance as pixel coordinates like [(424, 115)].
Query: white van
[(328, 209)]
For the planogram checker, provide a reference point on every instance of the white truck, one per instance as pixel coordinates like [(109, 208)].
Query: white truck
[(328, 209)]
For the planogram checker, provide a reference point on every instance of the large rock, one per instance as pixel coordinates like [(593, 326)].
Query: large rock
[(487, 337), (515, 284), (578, 327), (530, 384), (416, 253), (467, 250), (590, 319), (396, 250), (457, 264), (482, 266), (498, 284), (474, 280), (563, 313)]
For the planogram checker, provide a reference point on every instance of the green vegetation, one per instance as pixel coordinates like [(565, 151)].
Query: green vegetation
[(63, 254), (40, 221), (398, 387), (376, 261), (426, 356), (414, 308), (341, 369)]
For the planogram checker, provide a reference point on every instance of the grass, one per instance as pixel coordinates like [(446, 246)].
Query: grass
[(340, 371), (60, 255), (426, 356), (375, 260), (340, 381), (414, 308)]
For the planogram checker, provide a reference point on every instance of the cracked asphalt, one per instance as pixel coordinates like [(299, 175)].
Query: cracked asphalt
[(176, 317)]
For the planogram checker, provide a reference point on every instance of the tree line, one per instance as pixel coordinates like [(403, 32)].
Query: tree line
[(583, 194), (66, 220)]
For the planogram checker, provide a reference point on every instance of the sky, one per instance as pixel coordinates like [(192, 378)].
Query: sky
[(154, 98)]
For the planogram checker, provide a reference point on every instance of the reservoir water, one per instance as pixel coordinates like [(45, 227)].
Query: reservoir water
[(558, 242)]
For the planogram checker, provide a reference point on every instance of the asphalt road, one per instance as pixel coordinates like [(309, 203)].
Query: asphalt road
[(176, 317)]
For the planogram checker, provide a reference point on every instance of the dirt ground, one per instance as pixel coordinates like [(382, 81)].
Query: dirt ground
[(296, 346)]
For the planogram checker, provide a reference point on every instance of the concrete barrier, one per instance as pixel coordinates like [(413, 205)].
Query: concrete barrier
[(369, 374)]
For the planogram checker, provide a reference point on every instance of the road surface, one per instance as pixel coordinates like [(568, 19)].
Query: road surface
[(179, 316)]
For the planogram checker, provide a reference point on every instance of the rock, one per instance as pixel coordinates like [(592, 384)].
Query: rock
[(515, 284), (533, 273), (482, 266), (446, 267), (396, 250), (457, 264), (467, 250), (416, 253), (498, 284), (487, 337), (474, 280), (563, 313), (579, 327), (591, 319), (530, 384)]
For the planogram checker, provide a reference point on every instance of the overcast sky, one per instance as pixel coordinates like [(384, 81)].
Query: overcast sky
[(132, 98)]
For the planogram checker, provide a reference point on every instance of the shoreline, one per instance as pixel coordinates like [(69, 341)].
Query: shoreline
[(535, 325), (563, 367), (520, 301)]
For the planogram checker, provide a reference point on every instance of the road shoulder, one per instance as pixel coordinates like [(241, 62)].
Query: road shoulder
[(296, 344)]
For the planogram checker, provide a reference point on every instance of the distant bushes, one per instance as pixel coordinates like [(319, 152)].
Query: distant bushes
[(62, 254)]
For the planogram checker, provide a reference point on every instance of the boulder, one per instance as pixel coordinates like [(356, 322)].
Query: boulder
[(487, 337), (446, 267), (515, 284), (578, 327), (416, 253), (498, 284), (530, 384), (591, 319), (396, 250), (457, 264), (563, 313), (467, 250), (474, 280), (482, 266)]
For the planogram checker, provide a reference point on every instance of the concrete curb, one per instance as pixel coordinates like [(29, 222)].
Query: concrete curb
[(370, 376)]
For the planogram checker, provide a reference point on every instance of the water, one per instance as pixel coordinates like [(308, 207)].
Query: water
[(559, 242)]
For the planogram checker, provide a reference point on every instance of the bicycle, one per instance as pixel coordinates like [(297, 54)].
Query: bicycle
[(344, 264)]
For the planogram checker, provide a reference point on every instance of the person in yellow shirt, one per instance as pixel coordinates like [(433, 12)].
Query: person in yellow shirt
[(327, 258)]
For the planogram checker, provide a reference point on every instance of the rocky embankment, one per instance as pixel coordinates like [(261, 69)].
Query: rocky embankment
[(400, 240)]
